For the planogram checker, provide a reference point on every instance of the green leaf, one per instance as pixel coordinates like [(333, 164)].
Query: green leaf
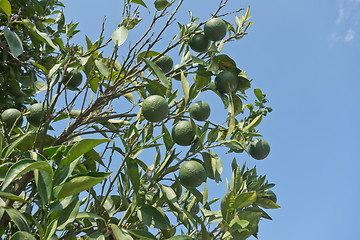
[(39, 87), (67, 215), (50, 229), (140, 2), (14, 42), (96, 236), (88, 215), (103, 69), (44, 37), (82, 147), (10, 148), (227, 206), (44, 185), (155, 69), (203, 77), (244, 199), (185, 86), (167, 138), (22, 167), (160, 4), (142, 234), (255, 122), (119, 233), (81, 183), (266, 203), (133, 172), (152, 217), (170, 196), (231, 117), (12, 197), (213, 165), (147, 54), (18, 218), (6, 7), (120, 35), (259, 95), (213, 134), (22, 236)]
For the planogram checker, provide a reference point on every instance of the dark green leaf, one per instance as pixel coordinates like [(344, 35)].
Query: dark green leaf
[(9, 149), (88, 215), (50, 229), (133, 172), (67, 215), (140, 2), (13, 40), (18, 218), (167, 138), (160, 4), (44, 185), (81, 183), (152, 217), (142, 234)]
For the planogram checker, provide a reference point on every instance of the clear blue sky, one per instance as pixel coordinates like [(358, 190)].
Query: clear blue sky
[(305, 55)]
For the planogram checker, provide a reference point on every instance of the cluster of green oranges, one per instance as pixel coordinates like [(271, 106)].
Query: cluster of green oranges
[(155, 108), (36, 116)]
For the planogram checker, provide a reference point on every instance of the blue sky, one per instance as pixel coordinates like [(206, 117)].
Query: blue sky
[(305, 56)]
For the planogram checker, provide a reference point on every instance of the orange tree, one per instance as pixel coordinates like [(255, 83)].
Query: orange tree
[(96, 147)]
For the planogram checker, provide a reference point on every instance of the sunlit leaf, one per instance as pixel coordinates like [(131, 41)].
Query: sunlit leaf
[(120, 35)]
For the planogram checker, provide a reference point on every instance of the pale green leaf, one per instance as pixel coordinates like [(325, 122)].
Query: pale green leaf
[(120, 35), (120, 233), (185, 86), (44, 37), (21, 235), (12, 197), (103, 69), (14, 42)]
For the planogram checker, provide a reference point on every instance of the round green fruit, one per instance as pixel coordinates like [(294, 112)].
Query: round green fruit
[(183, 133), (37, 114), (165, 63), (200, 110), (10, 116), (259, 149), (215, 29), (199, 42), (155, 108), (72, 78), (192, 174), (226, 82)]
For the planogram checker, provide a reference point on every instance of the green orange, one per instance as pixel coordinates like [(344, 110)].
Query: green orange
[(192, 174), (199, 42), (37, 114), (183, 133), (72, 78), (165, 63), (226, 82), (10, 116), (259, 148), (200, 110), (155, 108), (215, 29)]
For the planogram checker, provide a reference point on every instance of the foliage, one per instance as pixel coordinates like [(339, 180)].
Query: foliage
[(92, 167)]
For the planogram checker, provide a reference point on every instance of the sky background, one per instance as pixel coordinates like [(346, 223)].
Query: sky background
[(305, 56)]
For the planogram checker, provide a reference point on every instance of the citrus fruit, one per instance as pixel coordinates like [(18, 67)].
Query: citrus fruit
[(215, 29), (183, 133), (226, 82), (37, 114), (259, 149), (47, 142), (165, 63), (177, 74), (199, 42), (155, 108), (192, 174), (200, 111), (9, 116), (270, 195), (72, 78)]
